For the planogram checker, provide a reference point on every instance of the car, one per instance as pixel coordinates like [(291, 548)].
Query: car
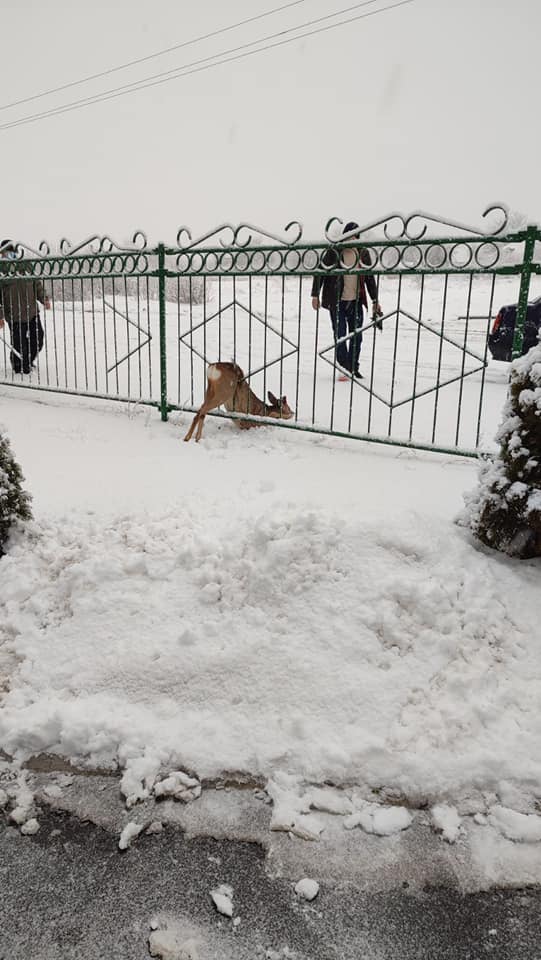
[(500, 338)]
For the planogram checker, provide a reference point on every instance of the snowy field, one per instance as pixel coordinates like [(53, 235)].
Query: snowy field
[(268, 605), (108, 344)]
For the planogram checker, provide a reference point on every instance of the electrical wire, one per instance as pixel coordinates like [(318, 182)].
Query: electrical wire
[(150, 56), (178, 71), (184, 71)]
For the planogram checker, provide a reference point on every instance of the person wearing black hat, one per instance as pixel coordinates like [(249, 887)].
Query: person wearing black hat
[(344, 296), (19, 296)]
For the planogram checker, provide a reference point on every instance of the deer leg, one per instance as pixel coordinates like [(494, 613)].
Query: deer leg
[(193, 425), (199, 420), (200, 425)]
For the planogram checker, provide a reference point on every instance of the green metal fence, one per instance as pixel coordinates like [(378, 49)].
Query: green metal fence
[(140, 323)]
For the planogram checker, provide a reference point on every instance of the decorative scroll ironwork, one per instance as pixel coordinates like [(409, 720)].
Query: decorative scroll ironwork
[(239, 237), (404, 225), (105, 244), (396, 243), (93, 245)]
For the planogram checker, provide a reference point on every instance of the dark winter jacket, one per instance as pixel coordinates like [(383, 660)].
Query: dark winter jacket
[(19, 297), (332, 285)]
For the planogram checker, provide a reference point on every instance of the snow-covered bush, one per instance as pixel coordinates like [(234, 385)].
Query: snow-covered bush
[(14, 501), (193, 290), (505, 510)]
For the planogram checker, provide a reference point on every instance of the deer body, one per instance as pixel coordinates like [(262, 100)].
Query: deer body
[(227, 386)]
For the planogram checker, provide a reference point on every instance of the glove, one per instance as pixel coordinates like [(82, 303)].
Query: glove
[(377, 314)]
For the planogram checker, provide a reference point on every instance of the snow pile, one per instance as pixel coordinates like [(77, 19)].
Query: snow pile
[(521, 827), (383, 821), (175, 940), (129, 833), (307, 889), (222, 898), (30, 827), (386, 654), (446, 821), (178, 786)]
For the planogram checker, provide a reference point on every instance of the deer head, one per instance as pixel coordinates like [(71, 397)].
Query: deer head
[(279, 407)]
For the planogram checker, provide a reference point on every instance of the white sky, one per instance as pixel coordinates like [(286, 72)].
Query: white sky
[(434, 105)]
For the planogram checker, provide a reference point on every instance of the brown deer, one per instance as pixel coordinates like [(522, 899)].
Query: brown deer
[(227, 386)]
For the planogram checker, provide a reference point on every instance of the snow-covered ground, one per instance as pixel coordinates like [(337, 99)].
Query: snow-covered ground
[(266, 604)]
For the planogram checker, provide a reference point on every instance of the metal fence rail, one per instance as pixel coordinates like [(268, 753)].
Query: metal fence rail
[(141, 324)]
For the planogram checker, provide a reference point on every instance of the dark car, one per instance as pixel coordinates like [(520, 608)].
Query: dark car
[(500, 338)]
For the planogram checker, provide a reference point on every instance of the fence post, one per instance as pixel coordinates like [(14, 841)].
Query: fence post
[(163, 347), (522, 308)]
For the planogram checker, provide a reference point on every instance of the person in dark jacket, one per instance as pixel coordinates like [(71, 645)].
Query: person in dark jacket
[(19, 296), (344, 296)]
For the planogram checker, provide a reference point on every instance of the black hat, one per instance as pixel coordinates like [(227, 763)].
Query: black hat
[(350, 226), (7, 246)]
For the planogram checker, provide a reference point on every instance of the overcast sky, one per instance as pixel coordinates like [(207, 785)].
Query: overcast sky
[(433, 105)]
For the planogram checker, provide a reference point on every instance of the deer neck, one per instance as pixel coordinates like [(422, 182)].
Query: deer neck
[(244, 400)]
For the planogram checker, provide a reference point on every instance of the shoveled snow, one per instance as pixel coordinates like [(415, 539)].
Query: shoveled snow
[(128, 835), (383, 821), (446, 821), (30, 827), (179, 786), (261, 603), (522, 827), (170, 943), (307, 889), (223, 899)]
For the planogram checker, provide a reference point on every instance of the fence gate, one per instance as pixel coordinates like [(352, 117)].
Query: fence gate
[(141, 324)]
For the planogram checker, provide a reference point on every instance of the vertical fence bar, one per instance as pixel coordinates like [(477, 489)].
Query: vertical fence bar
[(163, 326), (395, 354), (83, 332), (179, 342), (265, 331), (250, 325), (190, 298), (483, 372), (299, 330), (93, 302), (440, 354), (522, 309), (463, 366), (314, 374), (128, 348), (149, 341), (115, 337), (74, 333), (416, 363), (55, 341)]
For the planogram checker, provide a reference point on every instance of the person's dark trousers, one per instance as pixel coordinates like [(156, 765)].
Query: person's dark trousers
[(27, 341), (347, 317)]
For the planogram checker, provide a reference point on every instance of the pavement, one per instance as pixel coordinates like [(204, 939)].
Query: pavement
[(68, 892)]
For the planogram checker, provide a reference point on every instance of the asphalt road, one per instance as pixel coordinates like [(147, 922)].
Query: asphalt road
[(68, 892)]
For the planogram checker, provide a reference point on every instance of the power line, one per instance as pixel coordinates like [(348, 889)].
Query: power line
[(175, 72), (151, 56), (184, 72)]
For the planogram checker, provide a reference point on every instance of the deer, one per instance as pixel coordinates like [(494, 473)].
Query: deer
[(227, 386)]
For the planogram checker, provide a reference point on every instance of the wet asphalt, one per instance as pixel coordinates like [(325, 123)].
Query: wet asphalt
[(67, 892)]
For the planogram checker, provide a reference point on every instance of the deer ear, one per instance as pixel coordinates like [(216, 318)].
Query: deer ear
[(272, 399)]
